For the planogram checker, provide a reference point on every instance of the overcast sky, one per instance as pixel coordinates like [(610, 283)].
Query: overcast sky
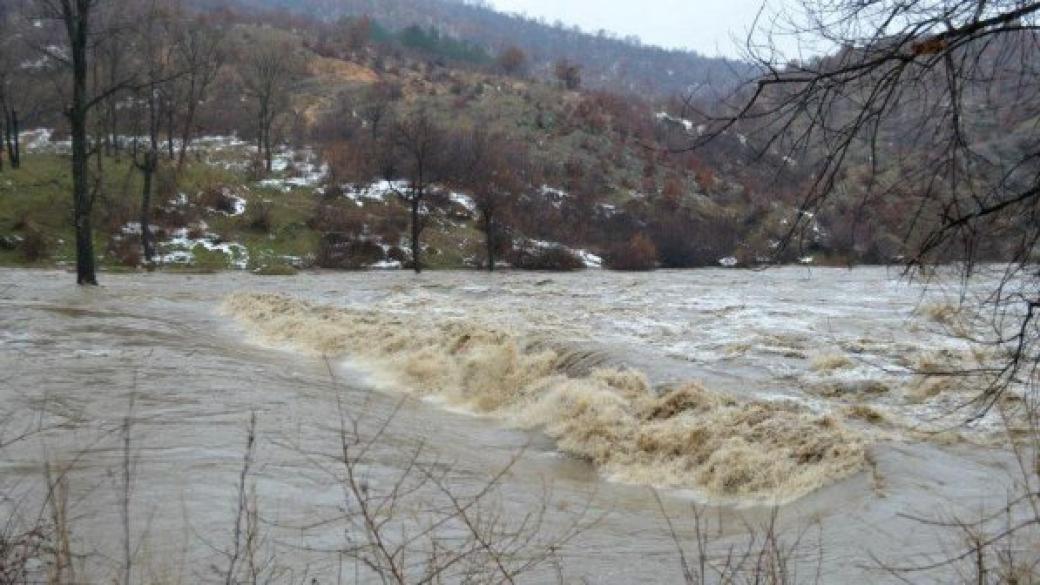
[(706, 26)]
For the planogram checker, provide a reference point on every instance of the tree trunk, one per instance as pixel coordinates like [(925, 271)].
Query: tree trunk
[(489, 232), (148, 171), (268, 156), (10, 137), (189, 122), (170, 131), (416, 250), (78, 28), (113, 128), (16, 148), (261, 132)]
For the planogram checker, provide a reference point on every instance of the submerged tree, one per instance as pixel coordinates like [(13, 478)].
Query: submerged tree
[(76, 18), (9, 120)]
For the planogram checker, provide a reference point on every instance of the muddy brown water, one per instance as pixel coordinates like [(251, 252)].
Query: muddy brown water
[(70, 358)]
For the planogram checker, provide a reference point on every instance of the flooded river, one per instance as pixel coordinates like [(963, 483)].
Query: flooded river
[(573, 395)]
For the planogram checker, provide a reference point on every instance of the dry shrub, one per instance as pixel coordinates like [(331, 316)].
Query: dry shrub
[(276, 270), (638, 254), (348, 162), (389, 228), (115, 215), (34, 245), (551, 258), (341, 252), (260, 217), (196, 231), (19, 554), (338, 219), (125, 250), (686, 241), (218, 198), (166, 183)]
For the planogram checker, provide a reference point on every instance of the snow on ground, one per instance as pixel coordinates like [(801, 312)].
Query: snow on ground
[(302, 167), (591, 260), (464, 200), (180, 248), (379, 191), (554, 195), (666, 117), (42, 140), (588, 258), (238, 204)]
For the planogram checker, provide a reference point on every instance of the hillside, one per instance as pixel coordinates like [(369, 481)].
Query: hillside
[(621, 65), (577, 176)]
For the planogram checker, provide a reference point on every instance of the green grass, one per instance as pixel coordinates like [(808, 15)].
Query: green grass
[(38, 197)]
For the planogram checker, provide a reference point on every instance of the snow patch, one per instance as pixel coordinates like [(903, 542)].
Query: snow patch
[(666, 117), (464, 200), (729, 262), (379, 191), (588, 258), (180, 248)]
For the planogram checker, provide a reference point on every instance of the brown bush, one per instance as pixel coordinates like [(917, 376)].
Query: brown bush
[(341, 252), (115, 215), (339, 219), (125, 250), (260, 217), (552, 258), (34, 245), (687, 241), (512, 61), (217, 198), (638, 254)]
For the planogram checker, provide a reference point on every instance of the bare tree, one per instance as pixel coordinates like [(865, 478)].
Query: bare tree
[(8, 110), (377, 104), (76, 17), (112, 54), (268, 77), (495, 170), (937, 103), (413, 153), (568, 73), (513, 61), (156, 49), (201, 55)]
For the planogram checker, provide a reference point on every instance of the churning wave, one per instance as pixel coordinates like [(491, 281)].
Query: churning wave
[(682, 436)]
